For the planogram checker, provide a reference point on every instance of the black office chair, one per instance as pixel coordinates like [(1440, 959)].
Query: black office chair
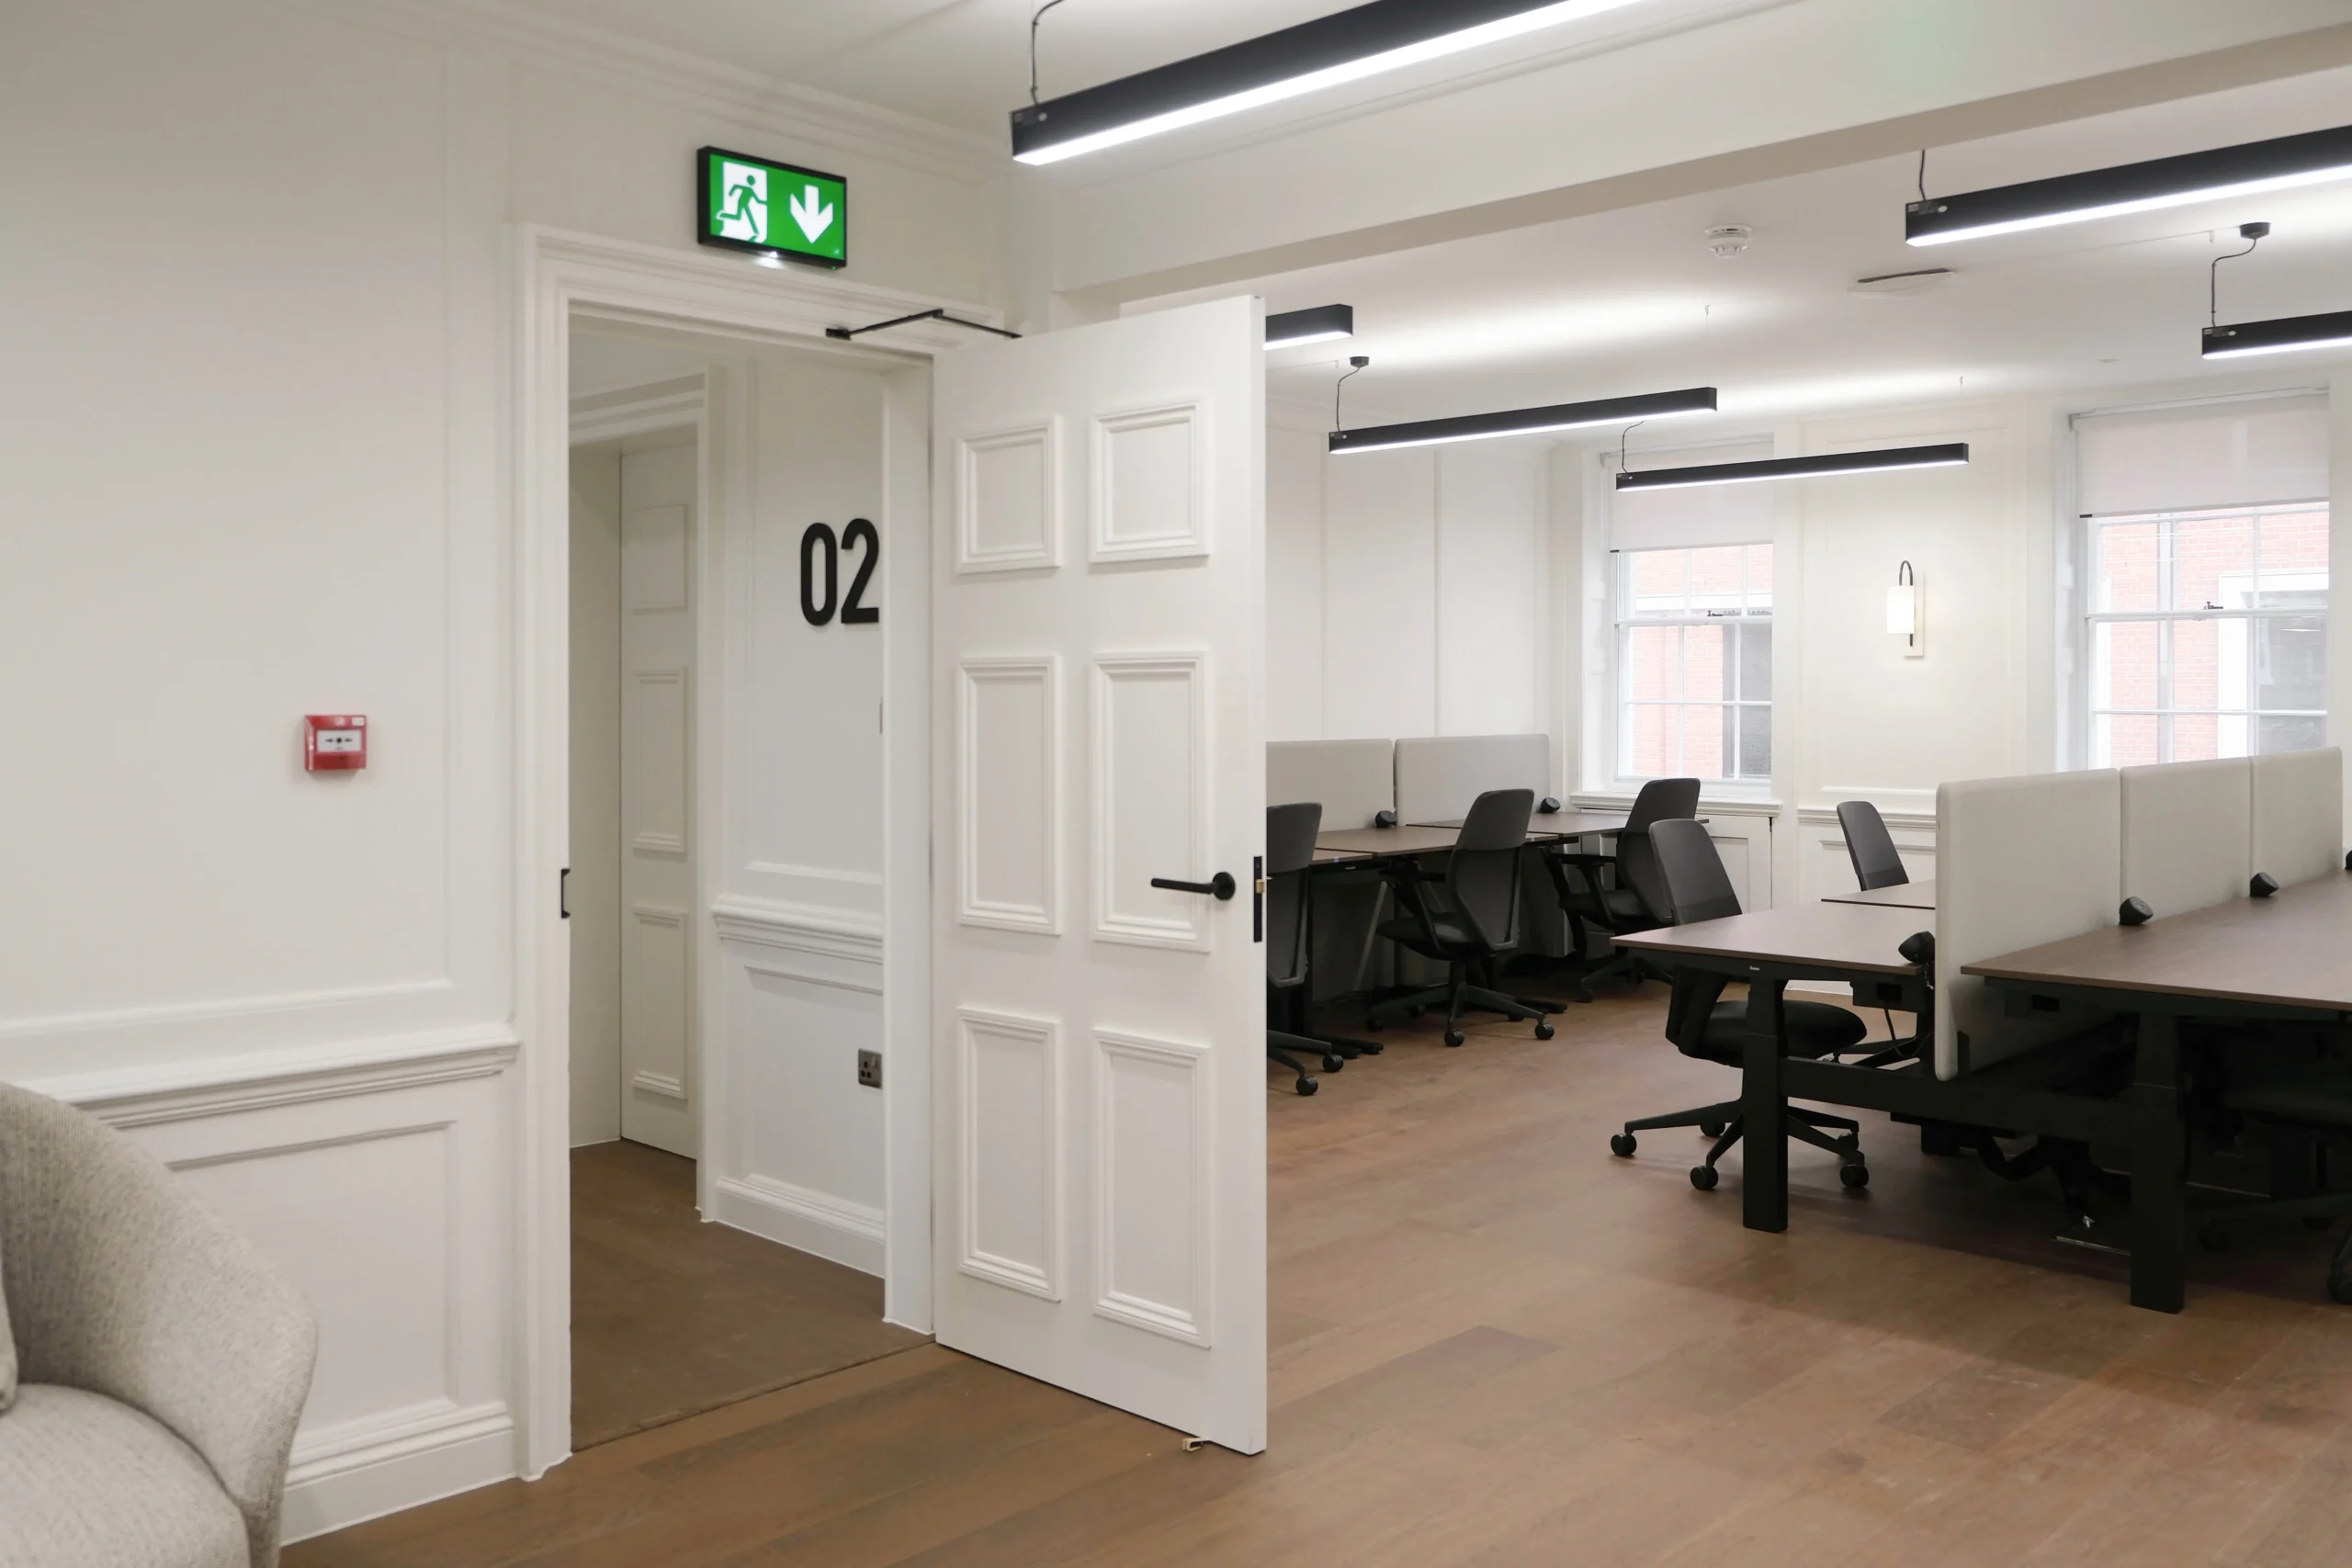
[(1703, 1026), (1290, 850), (2307, 1108), (1467, 918), (1636, 899), (1870, 846)]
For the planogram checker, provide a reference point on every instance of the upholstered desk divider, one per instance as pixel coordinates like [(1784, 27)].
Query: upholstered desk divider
[(2018, 861), (2298, 814), (1439, 776), (1353, 779), (2187, 833)]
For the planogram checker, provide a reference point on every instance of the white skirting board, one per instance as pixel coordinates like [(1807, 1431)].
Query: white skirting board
[(847, 1234)]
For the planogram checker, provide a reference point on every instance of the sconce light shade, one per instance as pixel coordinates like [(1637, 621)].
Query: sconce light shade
[(1903, 609)]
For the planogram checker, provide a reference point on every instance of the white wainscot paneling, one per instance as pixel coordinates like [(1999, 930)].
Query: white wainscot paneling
[(1007, 767), (1008, 1088), (798, 1151), (1743, 834), (377, 1177), (1147, 805), (1153, 1207)]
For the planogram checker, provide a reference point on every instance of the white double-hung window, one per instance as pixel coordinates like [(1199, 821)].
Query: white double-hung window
[(2205, 602), (1690, 607)]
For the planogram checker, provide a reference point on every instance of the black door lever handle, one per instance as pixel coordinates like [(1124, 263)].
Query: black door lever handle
[(1220, 886)]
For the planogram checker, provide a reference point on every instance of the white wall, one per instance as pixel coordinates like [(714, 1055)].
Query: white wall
[(793, 1143), (1405, 590), (259, 464)]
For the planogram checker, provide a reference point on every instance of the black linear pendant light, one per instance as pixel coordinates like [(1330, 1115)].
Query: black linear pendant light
[(1346, 46), (2280, 163), (2283, 334), (1525, 421), (1316, 324), (1944, 456)]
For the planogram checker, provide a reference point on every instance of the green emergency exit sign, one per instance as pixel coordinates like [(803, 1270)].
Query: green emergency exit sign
[(772, 210)]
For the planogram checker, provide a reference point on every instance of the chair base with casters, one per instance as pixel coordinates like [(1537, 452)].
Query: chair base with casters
[(1280, 1049), (1458, 996), (1724, 1123), (2315, 1113)]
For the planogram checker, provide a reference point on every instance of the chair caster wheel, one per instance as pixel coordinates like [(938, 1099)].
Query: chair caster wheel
[(2339, 1286), (1453, 1037), (1621, 1145), (1856, 1176), (1307, 1085), (1584, 993), (1373, 1023), (1415, 1012), (1544, 1030), (1369, 1047), (1703, 1178), (1712, 1129), (1333, 1061), (2213, 1236)]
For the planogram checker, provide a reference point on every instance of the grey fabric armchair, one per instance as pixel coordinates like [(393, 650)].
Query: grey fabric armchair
[(162, 1361)]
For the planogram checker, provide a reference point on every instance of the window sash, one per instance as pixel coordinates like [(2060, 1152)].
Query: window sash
[(1731, 710)]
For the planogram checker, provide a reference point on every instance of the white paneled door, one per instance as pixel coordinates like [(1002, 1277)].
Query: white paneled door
[(1098, 629), (657, 820)]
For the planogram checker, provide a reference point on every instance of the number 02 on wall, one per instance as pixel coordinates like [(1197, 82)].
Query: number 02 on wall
[(821, 561)]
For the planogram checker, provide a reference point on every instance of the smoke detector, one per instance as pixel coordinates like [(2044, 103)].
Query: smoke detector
[(1918, 280), (1729, 240)]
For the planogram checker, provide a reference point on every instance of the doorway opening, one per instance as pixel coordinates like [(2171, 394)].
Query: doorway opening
[(671, 1316)]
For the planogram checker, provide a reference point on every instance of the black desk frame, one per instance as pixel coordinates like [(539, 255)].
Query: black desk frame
[(2153, 1120)]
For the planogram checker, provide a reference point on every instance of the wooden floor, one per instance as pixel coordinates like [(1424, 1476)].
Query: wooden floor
[(1494, 1345), (671, 1316)]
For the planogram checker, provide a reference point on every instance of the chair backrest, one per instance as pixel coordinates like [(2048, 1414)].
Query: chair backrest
[(1482, 876), (1661, 800), (1290, 850), (1696, 883), (1870, 846)]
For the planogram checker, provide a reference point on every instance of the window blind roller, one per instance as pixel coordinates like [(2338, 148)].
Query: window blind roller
[(1703, 515), (2248, 454)]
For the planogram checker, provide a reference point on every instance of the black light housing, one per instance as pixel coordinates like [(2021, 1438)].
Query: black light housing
[(1346, 46), (2280, 163), (2284, 335), (1525, 421), (1949, 456), (1316, 324)]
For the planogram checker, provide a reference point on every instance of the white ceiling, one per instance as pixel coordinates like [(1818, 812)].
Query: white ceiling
[(960, 63), (1632, 300)]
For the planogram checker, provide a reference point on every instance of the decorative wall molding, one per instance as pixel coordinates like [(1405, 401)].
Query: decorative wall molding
[(766, 103), (225, 1086), (231, 1007), (848, 1233), (799, 928), (361, 1470), (638, 409), (1826, 816)]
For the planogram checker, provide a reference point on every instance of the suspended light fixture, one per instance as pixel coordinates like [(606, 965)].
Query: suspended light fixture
[(2286, 334), (1524, 422), (1318, 324), (1951, 454), (1347, 46), (2250, 168)]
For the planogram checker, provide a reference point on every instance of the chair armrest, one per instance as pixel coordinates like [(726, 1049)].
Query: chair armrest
[(122, 1282)]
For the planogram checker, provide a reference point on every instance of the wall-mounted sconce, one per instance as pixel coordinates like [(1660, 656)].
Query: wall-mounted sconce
[(1902, 611)]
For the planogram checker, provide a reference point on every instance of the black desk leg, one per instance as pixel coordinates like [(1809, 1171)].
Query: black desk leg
[(2159, 1192), (1763, 1111)]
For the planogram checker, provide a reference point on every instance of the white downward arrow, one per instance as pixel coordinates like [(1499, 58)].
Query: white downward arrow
[(812, 212)]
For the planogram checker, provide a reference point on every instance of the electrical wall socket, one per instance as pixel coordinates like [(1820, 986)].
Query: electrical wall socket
[(869, 1068)]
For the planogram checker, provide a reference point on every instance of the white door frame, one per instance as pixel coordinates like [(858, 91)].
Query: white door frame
[(557, 274)]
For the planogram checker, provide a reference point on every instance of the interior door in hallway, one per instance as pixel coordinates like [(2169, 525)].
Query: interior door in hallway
[(657, 495), (1098, 645)]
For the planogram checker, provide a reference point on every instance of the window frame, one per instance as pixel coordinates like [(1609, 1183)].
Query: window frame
[(1622, 620), (2166, 711)]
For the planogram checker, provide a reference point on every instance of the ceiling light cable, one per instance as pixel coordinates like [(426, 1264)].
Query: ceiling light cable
[(1048, 6), (1357, 363), (2254, 235), (1923, 152), (1621, 441)]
